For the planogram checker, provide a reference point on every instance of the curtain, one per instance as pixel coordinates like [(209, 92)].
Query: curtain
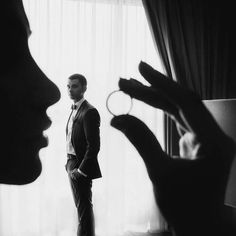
[(196, 43), (102, 40)]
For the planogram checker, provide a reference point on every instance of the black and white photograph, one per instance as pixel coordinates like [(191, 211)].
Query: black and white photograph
[(118, 118)]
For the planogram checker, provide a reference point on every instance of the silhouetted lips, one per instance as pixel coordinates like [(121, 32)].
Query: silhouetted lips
[(47, 123), (37, 139)]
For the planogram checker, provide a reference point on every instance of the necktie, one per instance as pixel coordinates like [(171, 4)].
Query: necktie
[(73, 106)]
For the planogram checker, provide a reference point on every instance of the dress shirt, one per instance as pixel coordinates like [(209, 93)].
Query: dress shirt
[(69, 147)]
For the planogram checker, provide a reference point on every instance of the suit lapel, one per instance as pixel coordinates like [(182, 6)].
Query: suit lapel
[(79, 112)]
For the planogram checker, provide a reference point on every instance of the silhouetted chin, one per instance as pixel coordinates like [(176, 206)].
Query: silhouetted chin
[(21, 173)]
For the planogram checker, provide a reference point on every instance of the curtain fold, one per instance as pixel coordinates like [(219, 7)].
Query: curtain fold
[(156, 19), (102, 40), (196, 42)]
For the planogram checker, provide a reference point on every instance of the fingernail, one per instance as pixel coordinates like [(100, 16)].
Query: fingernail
[(141, 65), (122, 82), (117, 121)]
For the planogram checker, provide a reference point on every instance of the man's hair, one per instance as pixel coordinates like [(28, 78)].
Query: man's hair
[(82, 80)]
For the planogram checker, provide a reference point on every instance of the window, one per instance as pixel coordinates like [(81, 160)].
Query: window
[(103, 40)]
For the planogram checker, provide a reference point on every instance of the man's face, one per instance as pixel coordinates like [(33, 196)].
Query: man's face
[(75, 89)]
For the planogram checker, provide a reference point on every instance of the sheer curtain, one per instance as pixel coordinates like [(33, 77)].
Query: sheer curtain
[(102, 40)]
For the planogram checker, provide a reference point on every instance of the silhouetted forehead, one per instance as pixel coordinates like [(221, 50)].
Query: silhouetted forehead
[(13, 16)]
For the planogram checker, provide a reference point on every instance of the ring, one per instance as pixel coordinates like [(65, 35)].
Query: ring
[(108, 99)]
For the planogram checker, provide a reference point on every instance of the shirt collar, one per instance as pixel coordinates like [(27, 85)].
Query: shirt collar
[(79, 103)]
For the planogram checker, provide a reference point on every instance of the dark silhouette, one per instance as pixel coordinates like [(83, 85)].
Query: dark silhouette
[(25, 95), (83, 144), (189, 190)]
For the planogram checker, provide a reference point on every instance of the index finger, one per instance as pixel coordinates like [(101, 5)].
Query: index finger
[(191, 109), (151, 96)]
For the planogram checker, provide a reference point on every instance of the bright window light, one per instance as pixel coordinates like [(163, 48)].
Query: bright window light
[(103, 40)]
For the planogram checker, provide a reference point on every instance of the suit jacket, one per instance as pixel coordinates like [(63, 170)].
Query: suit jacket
[(85, 139)]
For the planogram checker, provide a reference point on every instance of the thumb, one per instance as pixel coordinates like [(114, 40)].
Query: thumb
[(144, 141)]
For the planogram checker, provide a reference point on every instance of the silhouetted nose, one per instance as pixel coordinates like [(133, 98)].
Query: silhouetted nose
[(53, 93), (44, 92)]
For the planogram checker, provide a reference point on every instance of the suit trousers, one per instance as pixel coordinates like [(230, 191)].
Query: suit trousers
[(82, 193)]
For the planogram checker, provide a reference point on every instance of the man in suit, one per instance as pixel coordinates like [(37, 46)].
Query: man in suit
[(83, 144)]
